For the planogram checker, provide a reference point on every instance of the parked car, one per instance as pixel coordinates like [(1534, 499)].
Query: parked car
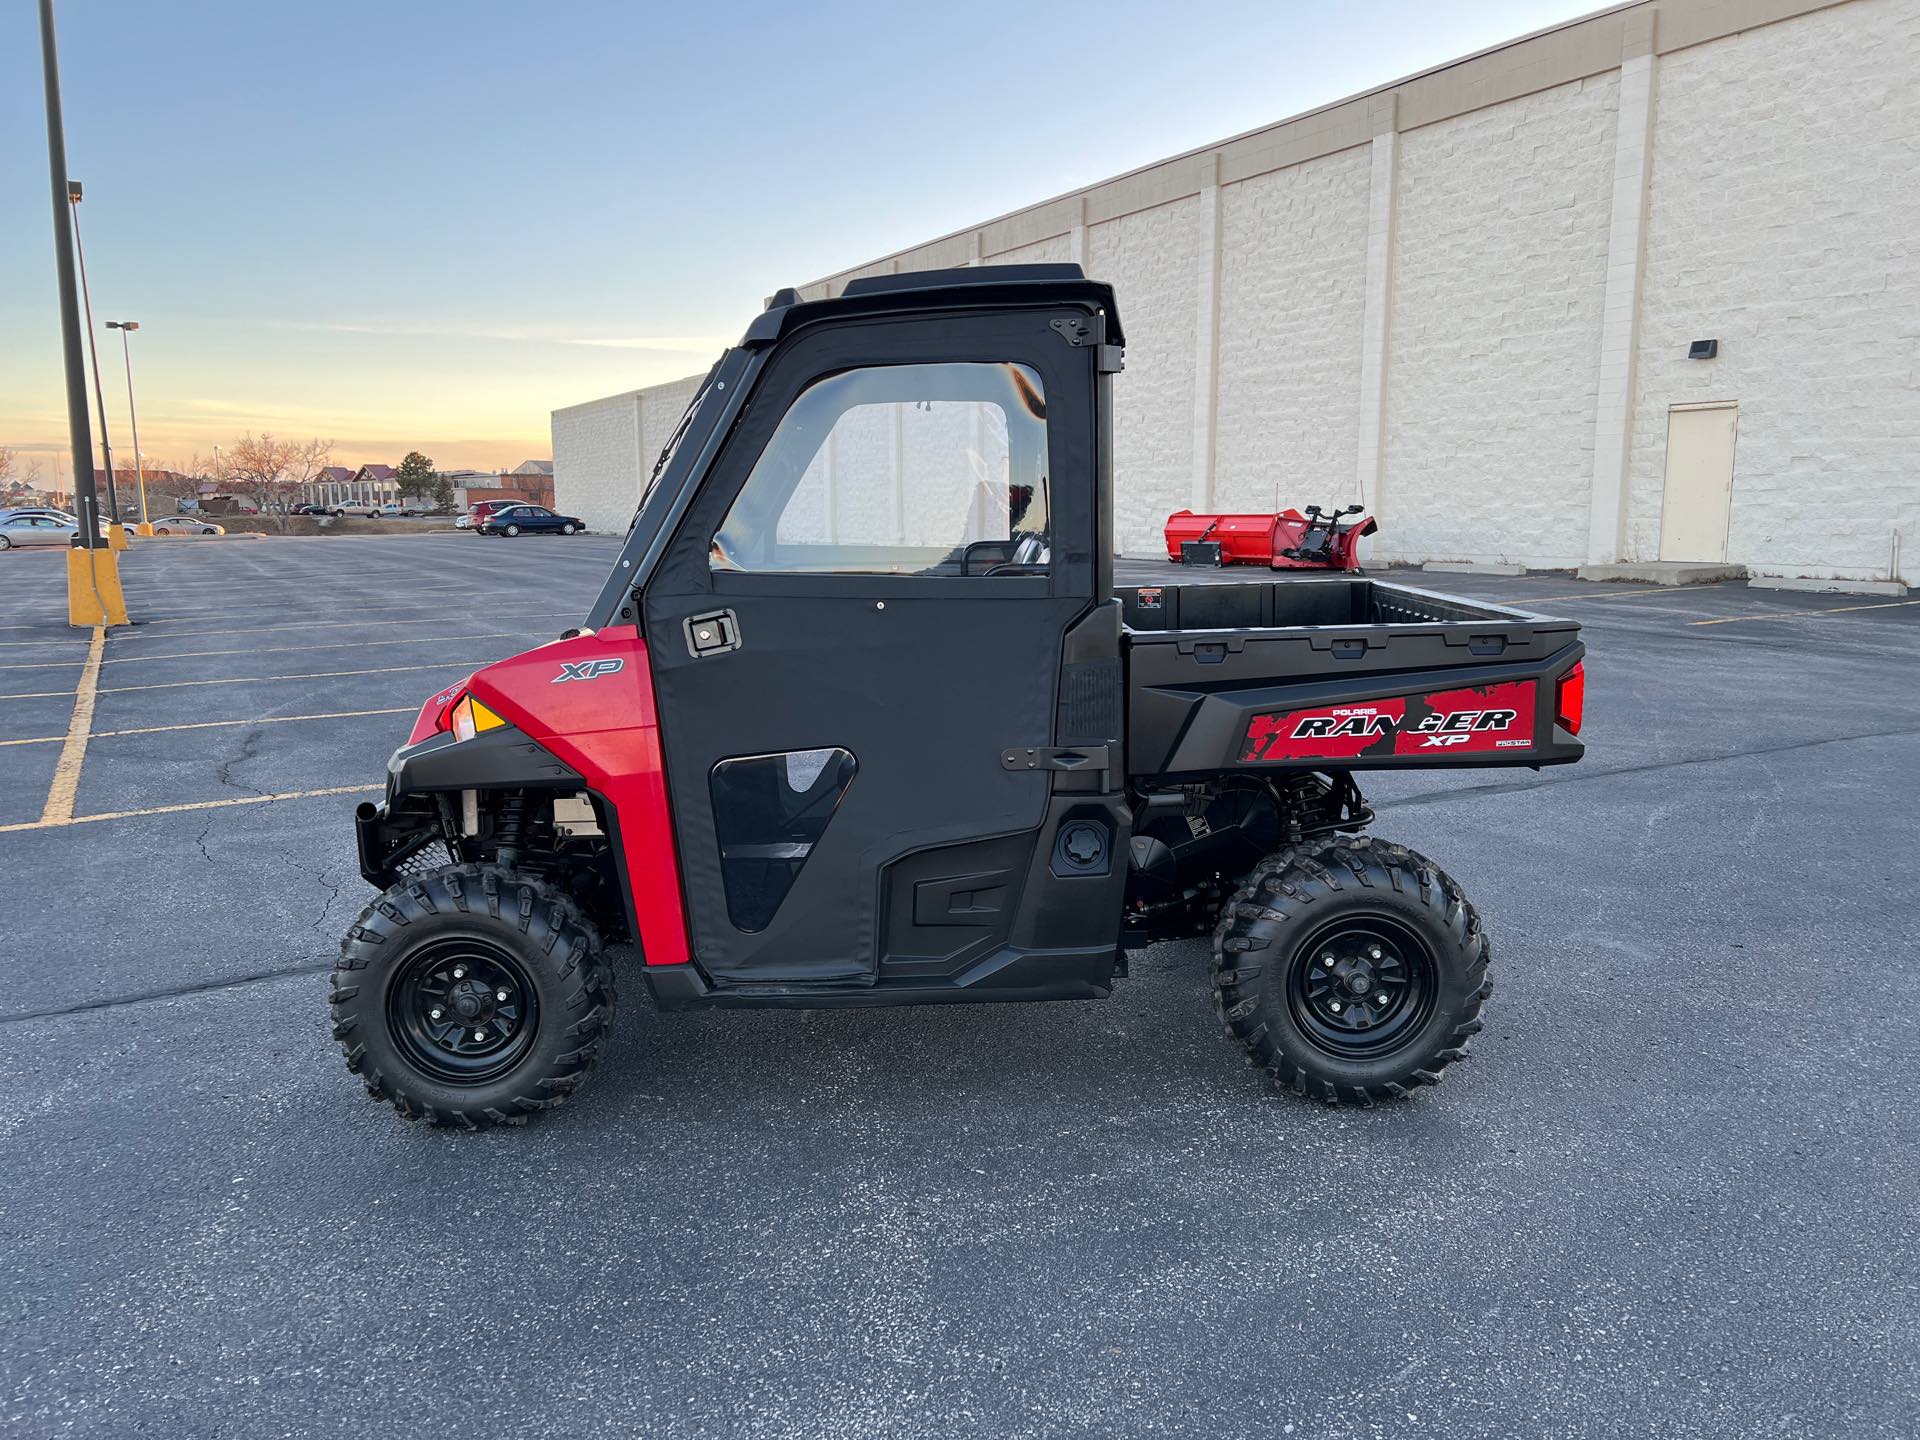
[(479, 510), (528, 520), (352, 507), (187, 525), (311, 510), (22, 529)]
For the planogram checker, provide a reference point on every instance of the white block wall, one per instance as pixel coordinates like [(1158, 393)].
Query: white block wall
[(596, 460), (1292, 291), (1499, 271), (1472, 293), (1151, 261)]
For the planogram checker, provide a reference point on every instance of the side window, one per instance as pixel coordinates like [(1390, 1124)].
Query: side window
[(899, 470)]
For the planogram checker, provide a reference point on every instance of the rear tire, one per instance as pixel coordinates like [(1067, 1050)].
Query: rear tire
[(512, 530), (1351, 969), (415, 997)]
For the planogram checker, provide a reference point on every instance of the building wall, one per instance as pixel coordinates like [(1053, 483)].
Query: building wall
[(1151, 260), (1466, 297), (1785, 223), (596, 460), (1499, 269), (1292, 291)]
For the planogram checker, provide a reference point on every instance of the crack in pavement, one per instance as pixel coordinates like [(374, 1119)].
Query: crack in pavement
[(249, 749), (1581, 776), (173, 992), (320, 876)]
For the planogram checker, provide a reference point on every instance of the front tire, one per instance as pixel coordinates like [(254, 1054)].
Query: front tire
[(472, 996), (1351, 969), (567, 529)]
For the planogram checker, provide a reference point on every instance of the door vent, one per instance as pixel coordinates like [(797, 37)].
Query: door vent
[(1089, 701)]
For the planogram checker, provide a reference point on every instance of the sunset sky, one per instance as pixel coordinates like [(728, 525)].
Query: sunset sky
[(420, 224)]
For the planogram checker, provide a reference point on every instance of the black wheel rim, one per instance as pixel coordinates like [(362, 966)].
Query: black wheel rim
[(463, 1011), (1361, 987)]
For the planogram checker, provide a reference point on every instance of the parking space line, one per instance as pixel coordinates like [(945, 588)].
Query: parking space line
[(45, 664), (320, 625), (1803, 614), (261, 679), (280, 649), (66, 773), (55, 824), (220, 724), (1626, 595)]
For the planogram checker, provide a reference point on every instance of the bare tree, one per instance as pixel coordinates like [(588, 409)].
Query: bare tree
[(259, 468), (18, 473), (310, 458)]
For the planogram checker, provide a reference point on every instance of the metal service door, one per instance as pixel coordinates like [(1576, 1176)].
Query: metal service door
[(1699, 488)]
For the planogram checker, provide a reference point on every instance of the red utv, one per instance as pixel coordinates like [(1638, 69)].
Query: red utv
[(860, 719)]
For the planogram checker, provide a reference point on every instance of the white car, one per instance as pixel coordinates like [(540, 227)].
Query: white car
[(365, 512), (187, 525), (23, 529)]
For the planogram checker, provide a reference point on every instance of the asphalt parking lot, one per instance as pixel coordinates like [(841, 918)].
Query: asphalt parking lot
[(1673, 1193)]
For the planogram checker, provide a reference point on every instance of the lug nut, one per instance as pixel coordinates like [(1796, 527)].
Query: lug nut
[(1326, 960), (1381, 998), (479, 1034), (1336, 1007), (499, 994), (1375, 952), (459, 972), (436, 1012)]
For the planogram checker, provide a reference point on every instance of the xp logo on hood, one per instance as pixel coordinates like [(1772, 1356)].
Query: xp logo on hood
[(587, 669)]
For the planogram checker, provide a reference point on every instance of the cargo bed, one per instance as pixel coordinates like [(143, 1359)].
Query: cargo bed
[(1341, 673)]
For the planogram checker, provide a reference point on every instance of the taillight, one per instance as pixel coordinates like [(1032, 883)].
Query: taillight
[(1572, 703)]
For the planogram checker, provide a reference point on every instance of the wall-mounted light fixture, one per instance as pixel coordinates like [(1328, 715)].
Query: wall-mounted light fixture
[(1703, 349)]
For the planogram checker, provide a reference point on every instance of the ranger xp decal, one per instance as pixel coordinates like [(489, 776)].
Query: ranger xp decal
[(1457, 722), (587, 669)]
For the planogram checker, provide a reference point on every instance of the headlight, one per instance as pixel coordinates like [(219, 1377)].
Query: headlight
[(470, 717)]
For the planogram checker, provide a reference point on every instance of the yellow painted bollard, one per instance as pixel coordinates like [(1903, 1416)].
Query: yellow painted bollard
[(116, 536), (93, 588), (144, 528)]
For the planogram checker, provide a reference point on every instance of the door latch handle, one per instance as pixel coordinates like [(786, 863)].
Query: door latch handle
[(713, 633)]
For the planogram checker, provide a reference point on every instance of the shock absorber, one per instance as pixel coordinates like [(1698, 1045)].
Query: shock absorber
[(510, 827)]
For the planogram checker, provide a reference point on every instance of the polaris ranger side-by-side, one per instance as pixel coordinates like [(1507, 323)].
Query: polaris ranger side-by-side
[(859, 719)]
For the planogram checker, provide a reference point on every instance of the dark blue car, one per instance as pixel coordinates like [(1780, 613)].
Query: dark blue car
[(529, 520)]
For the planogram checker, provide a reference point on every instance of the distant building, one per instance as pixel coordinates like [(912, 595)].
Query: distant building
[(329, 487)]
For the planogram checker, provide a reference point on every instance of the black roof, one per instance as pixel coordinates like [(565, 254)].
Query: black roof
[(917, 289)]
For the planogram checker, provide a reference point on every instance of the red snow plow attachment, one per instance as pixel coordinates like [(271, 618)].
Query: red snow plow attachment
[(1290, 540)]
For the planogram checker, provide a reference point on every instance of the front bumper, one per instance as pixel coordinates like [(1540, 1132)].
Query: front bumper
[(414, 816)]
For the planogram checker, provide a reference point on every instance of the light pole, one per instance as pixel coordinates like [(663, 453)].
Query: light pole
[(99, 395), (133, 415), (85, 504)]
